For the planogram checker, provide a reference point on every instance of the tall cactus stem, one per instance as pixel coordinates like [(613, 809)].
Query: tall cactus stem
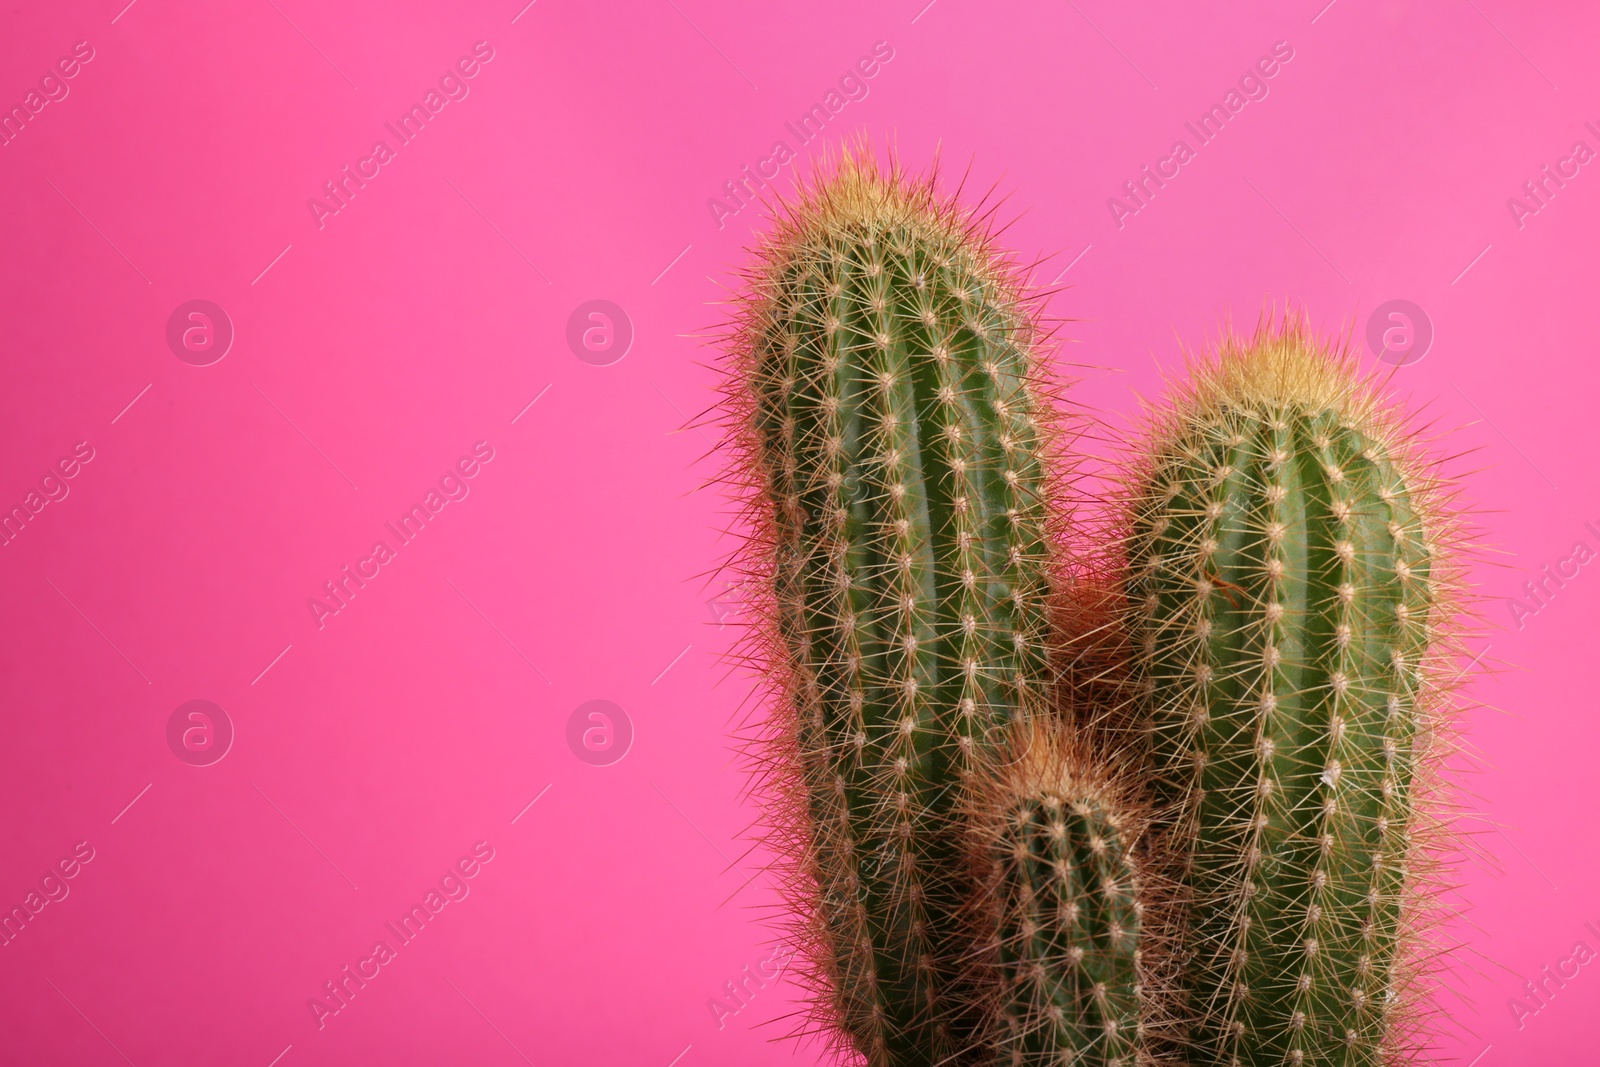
[(1294, 580), (891, 440)]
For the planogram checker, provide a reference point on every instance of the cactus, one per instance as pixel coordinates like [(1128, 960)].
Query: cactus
[(891, 440), (1291, 568), (1063, 910)]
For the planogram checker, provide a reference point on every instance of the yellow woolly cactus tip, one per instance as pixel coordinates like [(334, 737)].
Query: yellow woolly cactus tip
[(854, 198), (1284, 365)]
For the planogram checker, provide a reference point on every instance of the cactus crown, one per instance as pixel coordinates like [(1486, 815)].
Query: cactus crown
[(853, 197)]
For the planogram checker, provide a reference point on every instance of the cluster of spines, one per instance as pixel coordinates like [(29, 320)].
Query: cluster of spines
[(1290, 574), (888, 418)]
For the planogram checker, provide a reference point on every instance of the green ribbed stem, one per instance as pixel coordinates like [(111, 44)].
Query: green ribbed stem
[(900, 449), (1281, 585), (1068, 898)]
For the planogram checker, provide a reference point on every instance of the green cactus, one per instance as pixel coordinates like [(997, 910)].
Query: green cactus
[(1064, 907), (1289, 572), (892, 442)]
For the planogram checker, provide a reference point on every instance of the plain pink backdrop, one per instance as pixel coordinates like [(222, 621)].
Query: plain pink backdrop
[(426, 314)]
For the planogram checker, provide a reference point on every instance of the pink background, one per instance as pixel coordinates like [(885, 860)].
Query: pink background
[(432, 309)]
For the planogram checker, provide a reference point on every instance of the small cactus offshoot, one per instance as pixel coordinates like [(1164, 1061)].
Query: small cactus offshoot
[(1061, 914)]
